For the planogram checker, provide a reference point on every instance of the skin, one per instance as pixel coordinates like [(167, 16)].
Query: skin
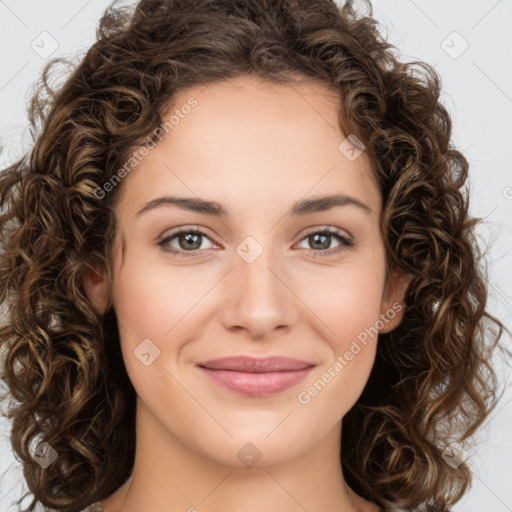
[(256, 148)]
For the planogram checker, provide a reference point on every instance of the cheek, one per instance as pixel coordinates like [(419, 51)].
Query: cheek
[(152, 299), (347, 301), (348, 304), (155, 308), (349, 310)]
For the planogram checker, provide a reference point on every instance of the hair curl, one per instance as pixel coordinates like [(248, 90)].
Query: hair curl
[(432, 382)]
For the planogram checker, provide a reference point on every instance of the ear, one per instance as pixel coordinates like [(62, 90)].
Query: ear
[(95, 283), (393, 304)]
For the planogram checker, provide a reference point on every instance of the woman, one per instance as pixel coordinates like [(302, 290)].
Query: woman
[(240, 272)]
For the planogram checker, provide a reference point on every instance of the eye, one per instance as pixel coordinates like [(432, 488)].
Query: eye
[(320, 240), (188, 240)]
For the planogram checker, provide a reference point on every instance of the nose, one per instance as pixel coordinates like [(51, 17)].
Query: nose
[(259, 297)]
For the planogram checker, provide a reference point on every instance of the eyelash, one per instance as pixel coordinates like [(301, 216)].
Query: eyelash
[(345, 243)]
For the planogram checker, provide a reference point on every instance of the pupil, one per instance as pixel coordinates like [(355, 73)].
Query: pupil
[(189, 239), (316, 237)]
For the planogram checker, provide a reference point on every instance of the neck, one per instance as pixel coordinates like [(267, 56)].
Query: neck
[(170, 476)]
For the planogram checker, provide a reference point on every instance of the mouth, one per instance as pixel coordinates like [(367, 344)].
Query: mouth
[(256, 377)]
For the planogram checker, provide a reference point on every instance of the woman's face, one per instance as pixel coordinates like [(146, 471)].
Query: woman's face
[(260, 281)]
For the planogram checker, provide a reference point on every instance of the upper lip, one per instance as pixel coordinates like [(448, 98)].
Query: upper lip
[(255, 365)]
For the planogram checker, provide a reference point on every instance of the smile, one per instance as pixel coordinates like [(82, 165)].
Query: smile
[(256, 377)]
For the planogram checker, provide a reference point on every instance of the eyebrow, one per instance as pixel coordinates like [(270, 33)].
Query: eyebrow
[(302, 207)]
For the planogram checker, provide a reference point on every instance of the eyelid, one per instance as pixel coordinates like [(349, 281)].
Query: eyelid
[(331, 229), (196, 227), (189, 227), (347, 241), (167, 234)]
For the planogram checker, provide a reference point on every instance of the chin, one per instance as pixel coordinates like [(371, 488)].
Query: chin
[(248, 449)]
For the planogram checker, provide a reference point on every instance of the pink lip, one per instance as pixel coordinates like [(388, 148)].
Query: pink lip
[(256, 377)]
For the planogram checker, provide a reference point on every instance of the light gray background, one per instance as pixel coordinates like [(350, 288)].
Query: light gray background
[(477, 90)]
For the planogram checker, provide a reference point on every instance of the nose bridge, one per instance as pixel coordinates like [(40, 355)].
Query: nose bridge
[(258, 297)]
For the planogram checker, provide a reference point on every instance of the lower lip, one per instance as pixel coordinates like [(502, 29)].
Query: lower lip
[(257, 384)]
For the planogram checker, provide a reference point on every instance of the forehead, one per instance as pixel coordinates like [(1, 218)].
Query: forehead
[(247, 137)]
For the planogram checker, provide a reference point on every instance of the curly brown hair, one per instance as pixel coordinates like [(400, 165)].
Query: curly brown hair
[(432, 383)]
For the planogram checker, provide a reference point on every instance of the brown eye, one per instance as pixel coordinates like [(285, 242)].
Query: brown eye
[(188, 241), (320, 241)]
